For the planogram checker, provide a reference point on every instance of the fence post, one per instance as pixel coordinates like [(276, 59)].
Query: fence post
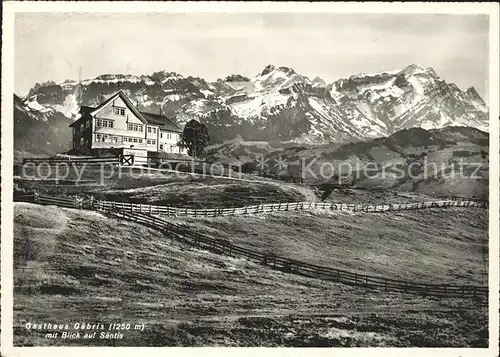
[(150, 209), (385, 284), (444, 286), (74, 202)]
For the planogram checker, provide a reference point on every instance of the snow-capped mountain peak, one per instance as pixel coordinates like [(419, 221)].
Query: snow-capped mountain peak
[(269, 68), (281, 104), (318, 82)]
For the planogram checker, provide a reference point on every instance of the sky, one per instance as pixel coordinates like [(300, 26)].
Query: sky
[(53, 46)]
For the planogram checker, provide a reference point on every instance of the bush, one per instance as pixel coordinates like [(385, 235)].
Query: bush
[(463, 153), (249, 167)]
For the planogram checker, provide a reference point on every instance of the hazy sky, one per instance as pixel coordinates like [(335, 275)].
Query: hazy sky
[(332, 46)]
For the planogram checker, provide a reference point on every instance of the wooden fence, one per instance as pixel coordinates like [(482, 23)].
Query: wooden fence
[(278, 207), (186, 235), (183, 233), (71, 160), (156, 210)]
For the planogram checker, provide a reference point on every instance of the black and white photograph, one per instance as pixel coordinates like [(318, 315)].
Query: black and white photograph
[(251, 178)]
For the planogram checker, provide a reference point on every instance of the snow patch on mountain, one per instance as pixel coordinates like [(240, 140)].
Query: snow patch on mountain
[(254, 107), (70, 107), (34, 105)]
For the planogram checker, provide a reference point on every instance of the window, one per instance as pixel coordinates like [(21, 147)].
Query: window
[(140, 141), (161, 135), (115, 139), (151, 142), (103, 138), (81, 141), (135, 140), (119, 111), (87, 124), (135, 127), (103, 123), (82, 127), (161, 147), (149, 129), (169, 136)]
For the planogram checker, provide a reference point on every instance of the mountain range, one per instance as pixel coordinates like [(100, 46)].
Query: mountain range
[(276, 105)]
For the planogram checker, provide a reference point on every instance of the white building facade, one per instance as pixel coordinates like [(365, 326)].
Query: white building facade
[(116, 123)]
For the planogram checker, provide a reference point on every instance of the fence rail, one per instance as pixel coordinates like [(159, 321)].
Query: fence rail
[(71, 160), (280, 207), (81, 203), (220, 246), (140, 214)]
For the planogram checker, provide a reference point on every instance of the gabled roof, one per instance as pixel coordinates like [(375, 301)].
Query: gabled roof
[(161, 120), (147, 118), (127, 102)]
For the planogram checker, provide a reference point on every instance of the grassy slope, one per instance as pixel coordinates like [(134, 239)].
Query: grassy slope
[(433, 245), (176, 189), (190, 298)]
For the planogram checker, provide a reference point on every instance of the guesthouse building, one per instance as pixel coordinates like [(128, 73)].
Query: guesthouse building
[(117, 124)]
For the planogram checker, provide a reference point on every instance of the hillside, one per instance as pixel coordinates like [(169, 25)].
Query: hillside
[(77, 263), (448, 246), (448, 161), (38, 131), (279, 104)]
